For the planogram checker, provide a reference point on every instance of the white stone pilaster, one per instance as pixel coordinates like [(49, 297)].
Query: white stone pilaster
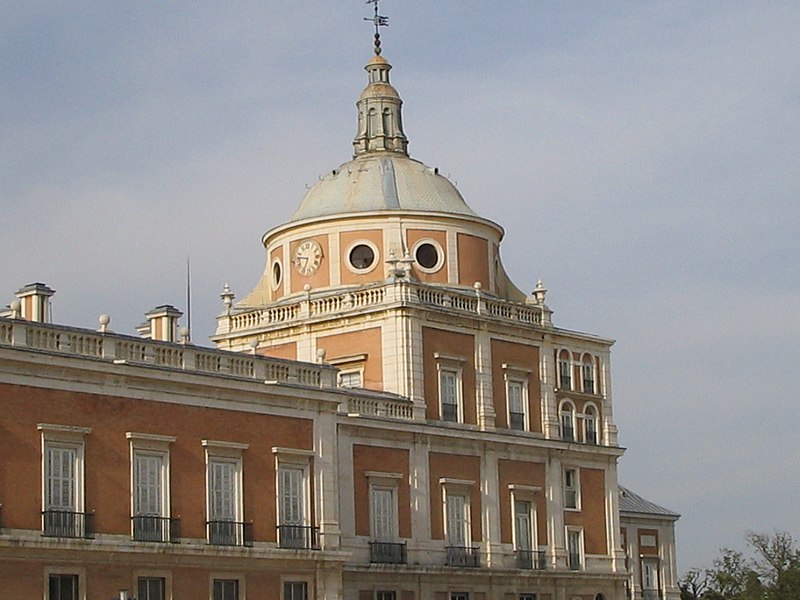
[(419, 473), (484, 393), (490, 503), (326, 480), (554, 494)]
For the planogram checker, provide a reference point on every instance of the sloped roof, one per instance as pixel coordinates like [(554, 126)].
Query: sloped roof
[(629, 502)]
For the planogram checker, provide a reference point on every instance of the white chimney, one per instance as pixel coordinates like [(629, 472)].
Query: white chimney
[(163, 321), (35, 301)]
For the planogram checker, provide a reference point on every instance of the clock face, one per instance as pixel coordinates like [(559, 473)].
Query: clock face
[(307, 257)]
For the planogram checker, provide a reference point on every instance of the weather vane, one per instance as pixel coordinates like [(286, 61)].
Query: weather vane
[(378, 21)]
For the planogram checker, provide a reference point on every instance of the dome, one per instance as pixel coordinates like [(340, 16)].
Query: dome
[(382, 181)]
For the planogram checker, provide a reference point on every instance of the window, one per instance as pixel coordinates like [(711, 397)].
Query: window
[(362, 257), (293, 494), (428, 256), (571, 489), (224, 507), (385, 595), (151, 588), (527, 597), (226, 589), (459, 596), (564, 371), (590, 424), (150, 487), (450, 395), (382, 508), (62, 586), (567, 414), (63, 494), (295, 590), (458, 531), (523, 531), (350, 379), (650, 586), (588, 375), (517, 401), (575, 549)]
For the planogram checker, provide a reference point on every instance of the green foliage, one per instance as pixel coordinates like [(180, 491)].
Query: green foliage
[(772, 573)]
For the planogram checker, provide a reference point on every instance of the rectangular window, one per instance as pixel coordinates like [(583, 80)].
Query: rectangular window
[(384, 522), (350, 379), (385, 595), (149, 497), (62, 587), (457, 520), (571, 489), (293, 528), (575, 549), (62, 500), (223, 490), (515, 391), (151, 588), (527, 597), (226, 589), (295, 590), (459, 596), (523, 530), (450, 395)]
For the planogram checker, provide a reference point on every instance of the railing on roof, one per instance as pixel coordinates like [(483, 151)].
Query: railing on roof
[(313, 304), (379, 407), (185, 357)]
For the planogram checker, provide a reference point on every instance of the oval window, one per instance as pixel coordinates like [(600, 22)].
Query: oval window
[(362, 257), (427, 256), (276, 274)]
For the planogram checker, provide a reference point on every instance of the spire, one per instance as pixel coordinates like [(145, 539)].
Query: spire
[(380, 125)]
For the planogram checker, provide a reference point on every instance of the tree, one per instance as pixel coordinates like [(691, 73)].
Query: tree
[(772, 574)]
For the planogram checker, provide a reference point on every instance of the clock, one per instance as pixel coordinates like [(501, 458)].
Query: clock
[(307, 257)]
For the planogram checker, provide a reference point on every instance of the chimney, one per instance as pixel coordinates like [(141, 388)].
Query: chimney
[(163, 324), (35, 301)]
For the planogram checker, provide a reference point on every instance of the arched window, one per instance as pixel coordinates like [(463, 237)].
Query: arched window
[(567, 414), (564, 371), (590, 434), (587, 370)]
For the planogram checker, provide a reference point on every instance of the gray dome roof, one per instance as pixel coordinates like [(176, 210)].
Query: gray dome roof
[(382, 181)]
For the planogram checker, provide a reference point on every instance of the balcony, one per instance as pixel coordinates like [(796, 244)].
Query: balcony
[(229, 533), (517, 421), (463, 556), (567, 433), (68, 524), (574, 561), (388, 553), (531, 559), (298, 537), (450, 412), (149, 528)]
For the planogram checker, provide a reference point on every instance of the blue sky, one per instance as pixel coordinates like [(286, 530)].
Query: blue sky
[(643, 158)]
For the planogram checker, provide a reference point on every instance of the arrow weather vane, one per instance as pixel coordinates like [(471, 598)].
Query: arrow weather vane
[(378, 21)]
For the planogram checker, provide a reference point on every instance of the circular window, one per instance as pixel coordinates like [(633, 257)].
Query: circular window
[(428, 256), (362, 257), (277, 274)]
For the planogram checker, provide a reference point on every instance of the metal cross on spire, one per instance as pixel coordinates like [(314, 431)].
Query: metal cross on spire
[(378, 21)]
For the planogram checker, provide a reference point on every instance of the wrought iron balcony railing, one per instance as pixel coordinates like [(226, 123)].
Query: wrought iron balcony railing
[(229, 533), (64, 523), (150, 528), (388, 552), (531, 559), (463, 556), (298, 537)]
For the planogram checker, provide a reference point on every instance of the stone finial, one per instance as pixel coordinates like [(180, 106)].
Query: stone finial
[(227, 297), (104, 320), (540, 293)]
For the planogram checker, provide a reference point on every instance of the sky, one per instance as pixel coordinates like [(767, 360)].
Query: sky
[(643, 158)]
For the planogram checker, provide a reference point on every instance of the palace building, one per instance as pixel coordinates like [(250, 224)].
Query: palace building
[(385, 416)]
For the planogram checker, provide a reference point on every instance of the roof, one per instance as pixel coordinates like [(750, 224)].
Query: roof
[(382, 181), (629, 502)]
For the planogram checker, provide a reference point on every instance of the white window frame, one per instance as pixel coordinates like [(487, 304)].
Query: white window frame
[(517, 376), (524, 493), (70, 438), (575, 488), (450, 365), (148, 444), (572, 533), (440, 255), (355, 363), (384, 482), (457, 488), (559, 365), (291, 458), (571, 412), (595, 418), (587, 361), (376, 260), (345, 374), (228, 453), (165, 575)]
